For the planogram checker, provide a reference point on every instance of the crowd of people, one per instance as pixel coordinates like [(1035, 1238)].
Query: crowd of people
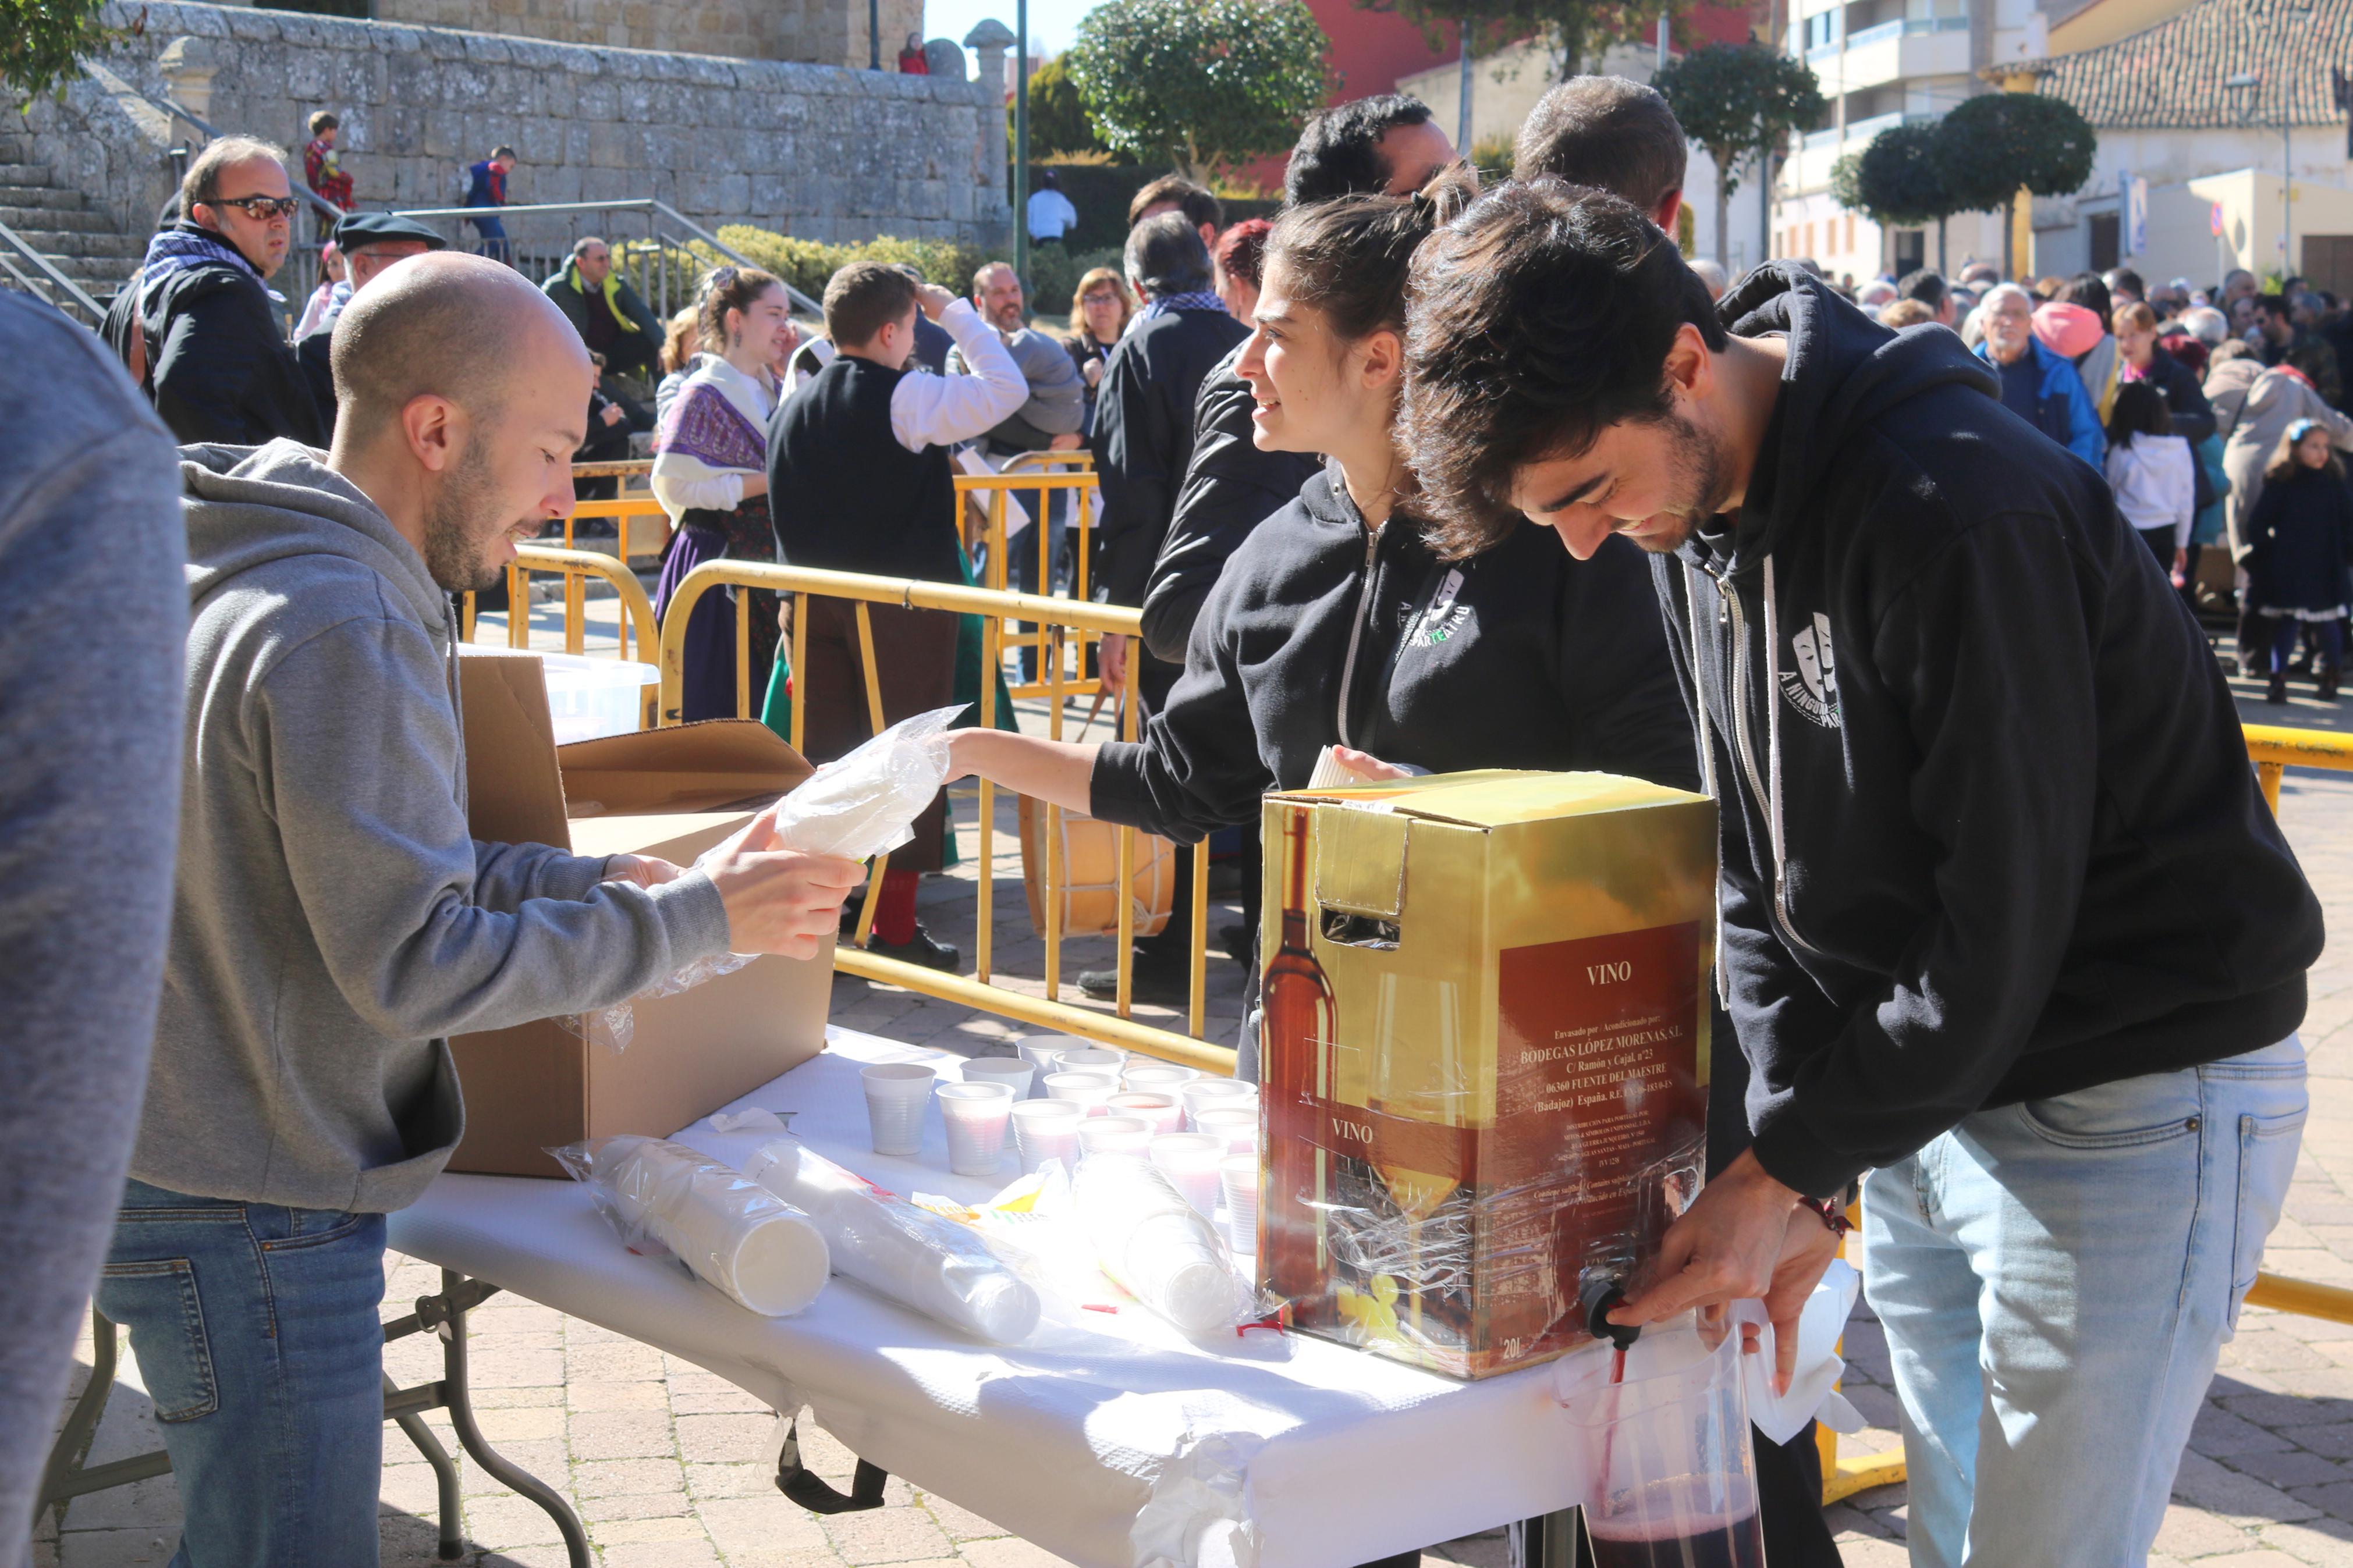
[(1423, 475)]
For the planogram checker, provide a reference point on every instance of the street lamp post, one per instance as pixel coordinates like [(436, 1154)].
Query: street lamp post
[(1021, 143)]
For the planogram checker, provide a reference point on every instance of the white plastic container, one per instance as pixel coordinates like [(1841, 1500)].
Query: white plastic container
[(591, 697)]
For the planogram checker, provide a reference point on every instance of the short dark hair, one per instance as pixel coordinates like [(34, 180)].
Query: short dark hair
[(1241, 250), (1339, 152), (324, 120), (202, 183), (863, 297), (2126, 279), (1540, 318), (1608, 133), (1926, 285), (1196, 203), (1348, 257), (503, 151), (2275, 305), (2090, 290), (1166, 256), (2140, 409)]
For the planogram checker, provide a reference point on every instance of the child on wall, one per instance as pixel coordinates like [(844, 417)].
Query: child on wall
[(322, 168)]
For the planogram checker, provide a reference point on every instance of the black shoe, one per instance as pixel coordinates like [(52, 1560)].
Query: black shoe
[(2277, 690), (1240, 941), (1153, 979), (2328, 678), (922, 949)]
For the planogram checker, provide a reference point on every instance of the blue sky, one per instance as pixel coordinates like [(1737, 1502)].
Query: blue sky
[(1052, 23)]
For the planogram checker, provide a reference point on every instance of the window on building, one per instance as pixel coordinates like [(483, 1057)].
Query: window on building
[(1911, 250), (1850, 234), (1809, 250), (2107, 241), (1822, 30)]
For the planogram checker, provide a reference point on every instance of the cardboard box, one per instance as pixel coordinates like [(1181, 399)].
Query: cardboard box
[(1485, 1056), (672, 793)]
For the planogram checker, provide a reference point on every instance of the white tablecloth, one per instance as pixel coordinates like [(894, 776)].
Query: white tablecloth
[(1122, 1446)]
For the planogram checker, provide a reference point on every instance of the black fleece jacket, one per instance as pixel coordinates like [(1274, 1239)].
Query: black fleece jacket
[(1143, 438), (218, 365), (1519, 658), (1990, 830), (1230, 487)]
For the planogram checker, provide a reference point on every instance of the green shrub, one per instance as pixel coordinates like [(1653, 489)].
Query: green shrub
[(1054, 275), (806, 264)]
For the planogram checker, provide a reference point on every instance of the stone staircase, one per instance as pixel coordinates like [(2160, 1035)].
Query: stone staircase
[(77, 238)]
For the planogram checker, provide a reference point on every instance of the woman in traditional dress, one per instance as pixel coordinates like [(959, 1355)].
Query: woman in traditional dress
[(710, 456)]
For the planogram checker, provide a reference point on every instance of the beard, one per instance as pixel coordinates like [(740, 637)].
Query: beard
[(462, 540), (1697, 486)]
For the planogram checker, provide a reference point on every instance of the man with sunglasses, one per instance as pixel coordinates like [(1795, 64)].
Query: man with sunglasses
[(219, 367)]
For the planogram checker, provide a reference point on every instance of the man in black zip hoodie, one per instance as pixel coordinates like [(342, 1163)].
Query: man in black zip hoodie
[(2004, 920)]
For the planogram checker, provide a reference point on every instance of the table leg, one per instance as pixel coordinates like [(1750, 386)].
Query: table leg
[(451, 1327), (452, 1544)]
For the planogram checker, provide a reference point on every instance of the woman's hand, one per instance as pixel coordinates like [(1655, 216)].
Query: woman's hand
[(2181, 569), (1366, 766), (1093, 373)]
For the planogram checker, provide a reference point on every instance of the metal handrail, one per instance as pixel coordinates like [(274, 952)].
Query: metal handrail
[(993, 608), (49, 274), (203, 128)]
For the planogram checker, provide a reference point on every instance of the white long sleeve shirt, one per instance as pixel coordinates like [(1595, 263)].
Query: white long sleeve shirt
[(683, 484), (941, 410), (2155, 482)]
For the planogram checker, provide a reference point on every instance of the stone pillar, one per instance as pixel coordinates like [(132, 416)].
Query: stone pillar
[(990, 40), (188, 66)]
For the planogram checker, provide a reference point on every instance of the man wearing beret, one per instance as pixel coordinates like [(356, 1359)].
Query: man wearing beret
[(370, 243)]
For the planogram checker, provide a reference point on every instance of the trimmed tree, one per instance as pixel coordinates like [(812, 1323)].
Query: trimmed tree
[(1739, 102), (1058, 122), (1996, 143), (1898, 181), (1199, 82)]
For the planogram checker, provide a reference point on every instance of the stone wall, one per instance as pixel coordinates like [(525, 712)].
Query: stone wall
[(817, 32), (817, 152)]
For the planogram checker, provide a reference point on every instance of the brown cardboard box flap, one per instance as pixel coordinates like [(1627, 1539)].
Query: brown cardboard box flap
[(514, 793), (687, 767)]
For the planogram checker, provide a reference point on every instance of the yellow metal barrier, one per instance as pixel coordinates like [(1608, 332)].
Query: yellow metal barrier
[(2275, 748), (993, 608), (642, 526), (997, 560), (576, 566)]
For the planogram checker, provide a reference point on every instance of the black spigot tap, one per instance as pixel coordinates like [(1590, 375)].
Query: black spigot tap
[(1597, 1296)]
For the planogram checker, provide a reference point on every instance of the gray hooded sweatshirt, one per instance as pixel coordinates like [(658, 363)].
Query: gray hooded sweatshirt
[(333, 920)]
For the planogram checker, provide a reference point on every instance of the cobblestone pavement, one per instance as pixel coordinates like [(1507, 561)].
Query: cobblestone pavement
[(669, 1464)]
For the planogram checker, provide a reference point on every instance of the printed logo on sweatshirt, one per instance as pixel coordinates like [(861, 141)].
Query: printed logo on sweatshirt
[(1813, 686), (1444, 617)]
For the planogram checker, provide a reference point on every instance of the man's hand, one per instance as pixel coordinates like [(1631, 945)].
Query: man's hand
[(778, 900), (1806, 1251), (1093, 373), (1364, 765), (644, 870), (1110, 659), (611, 413), (2181, 568), (933, 298), (1069, 443), (1727, 1246)]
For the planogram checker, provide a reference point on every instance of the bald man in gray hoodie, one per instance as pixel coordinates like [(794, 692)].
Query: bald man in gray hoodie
[(333, 922)]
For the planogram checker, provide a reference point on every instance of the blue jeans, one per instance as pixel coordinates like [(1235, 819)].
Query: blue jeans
[(258, 1335), (494, 242), (2056, 1279)]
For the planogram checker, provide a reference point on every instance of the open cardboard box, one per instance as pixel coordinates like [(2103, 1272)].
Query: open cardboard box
[(672, 793)]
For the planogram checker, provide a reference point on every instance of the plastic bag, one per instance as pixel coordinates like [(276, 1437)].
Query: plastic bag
[(1157, 1247), (856, 806), (736, 1235), (917, 1258)]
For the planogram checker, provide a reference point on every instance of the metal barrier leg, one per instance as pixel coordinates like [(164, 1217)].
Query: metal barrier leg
[(446, 1315)]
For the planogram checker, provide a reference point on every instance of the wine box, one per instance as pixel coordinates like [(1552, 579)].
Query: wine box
[(1485, 1054)]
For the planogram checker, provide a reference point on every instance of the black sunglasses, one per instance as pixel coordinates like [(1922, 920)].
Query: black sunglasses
[(263, 207)]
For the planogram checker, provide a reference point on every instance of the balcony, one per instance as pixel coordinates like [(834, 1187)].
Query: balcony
[(1894, 51), (1809, 167)]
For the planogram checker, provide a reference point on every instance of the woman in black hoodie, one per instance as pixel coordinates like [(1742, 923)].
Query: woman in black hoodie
[(1336, 624)]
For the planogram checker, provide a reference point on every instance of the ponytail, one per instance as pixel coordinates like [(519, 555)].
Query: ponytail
[(1349, 256)]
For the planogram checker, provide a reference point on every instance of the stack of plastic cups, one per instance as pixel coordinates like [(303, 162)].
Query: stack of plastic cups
[(1192, 1160), (1201, 1093), (976, 1115), (1236, 1126), (1010, 1071), (1159, 1077), (896, 1093), (1160, 1109), (1047, 1130), (1092, 1059), (1039, 1051), (1237, 1173), (1115, 1135), (1087, 1091)]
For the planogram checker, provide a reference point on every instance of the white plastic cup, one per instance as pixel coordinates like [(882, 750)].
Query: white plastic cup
[(895, 1095), (1088, 1090), (1115, 1135), (1192, 1161), (1047, 1130), (1010, 1071), (1201, 1093), (1039, 1051), (1160, 1109), (1236, 1125), (975, 1116), (1237, 1173), (1160, 1077), (1091, 1058)]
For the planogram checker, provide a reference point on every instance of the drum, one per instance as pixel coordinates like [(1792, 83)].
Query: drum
[(1091, 874)]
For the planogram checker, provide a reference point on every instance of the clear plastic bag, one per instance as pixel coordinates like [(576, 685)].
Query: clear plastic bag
[(736, 1235), (915, 1257), (856, 806), (1157, 1247)]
